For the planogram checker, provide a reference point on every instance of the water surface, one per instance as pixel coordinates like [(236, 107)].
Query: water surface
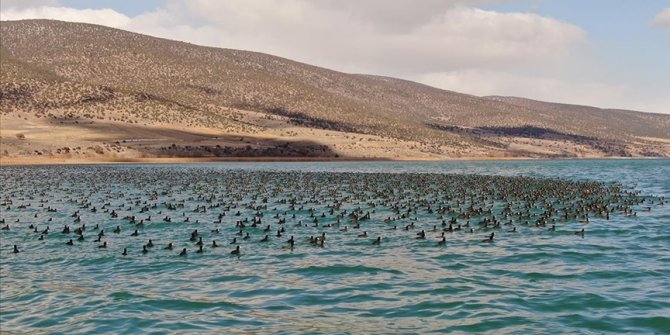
[(615, 279)]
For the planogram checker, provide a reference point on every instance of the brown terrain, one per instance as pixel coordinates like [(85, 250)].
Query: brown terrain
[(73, 92)]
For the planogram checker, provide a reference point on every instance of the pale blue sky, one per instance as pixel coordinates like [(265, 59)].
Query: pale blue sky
[(608, 53), (127, 7), (627, 44)]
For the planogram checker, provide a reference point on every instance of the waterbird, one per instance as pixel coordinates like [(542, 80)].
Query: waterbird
[(490, 238), (531, 202), (236, 251)]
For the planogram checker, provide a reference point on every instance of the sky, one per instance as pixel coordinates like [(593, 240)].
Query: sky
[(605, 53)]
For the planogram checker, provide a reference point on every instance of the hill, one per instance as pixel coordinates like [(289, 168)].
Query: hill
[(73, 91)]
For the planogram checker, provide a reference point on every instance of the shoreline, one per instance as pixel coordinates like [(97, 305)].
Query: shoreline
[(190, 160), (175, 160)]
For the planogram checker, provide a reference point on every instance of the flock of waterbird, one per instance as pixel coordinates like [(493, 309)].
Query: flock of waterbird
[(196, 210)]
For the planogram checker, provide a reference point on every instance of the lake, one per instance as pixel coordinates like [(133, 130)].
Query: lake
[(529, 279)]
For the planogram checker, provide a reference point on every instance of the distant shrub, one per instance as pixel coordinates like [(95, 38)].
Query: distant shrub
[(99, 150), (21, 136)]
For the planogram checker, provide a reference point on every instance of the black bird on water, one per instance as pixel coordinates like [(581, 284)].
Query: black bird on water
[(236, 251)]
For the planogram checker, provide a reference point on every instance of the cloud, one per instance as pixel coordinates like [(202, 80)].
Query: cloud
[(400, 38), (590, 93), (41, 9), (662, 20), (431, 36), (23, 4)]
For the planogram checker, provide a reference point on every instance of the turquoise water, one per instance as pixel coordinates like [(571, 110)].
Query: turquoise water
[(613, 280)]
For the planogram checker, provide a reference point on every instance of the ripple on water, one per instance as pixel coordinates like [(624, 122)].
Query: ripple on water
[(234, 279), (189, 305), (340, 270)]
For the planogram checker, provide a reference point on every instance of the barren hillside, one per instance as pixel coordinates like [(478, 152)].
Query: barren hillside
[(118, 95)]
